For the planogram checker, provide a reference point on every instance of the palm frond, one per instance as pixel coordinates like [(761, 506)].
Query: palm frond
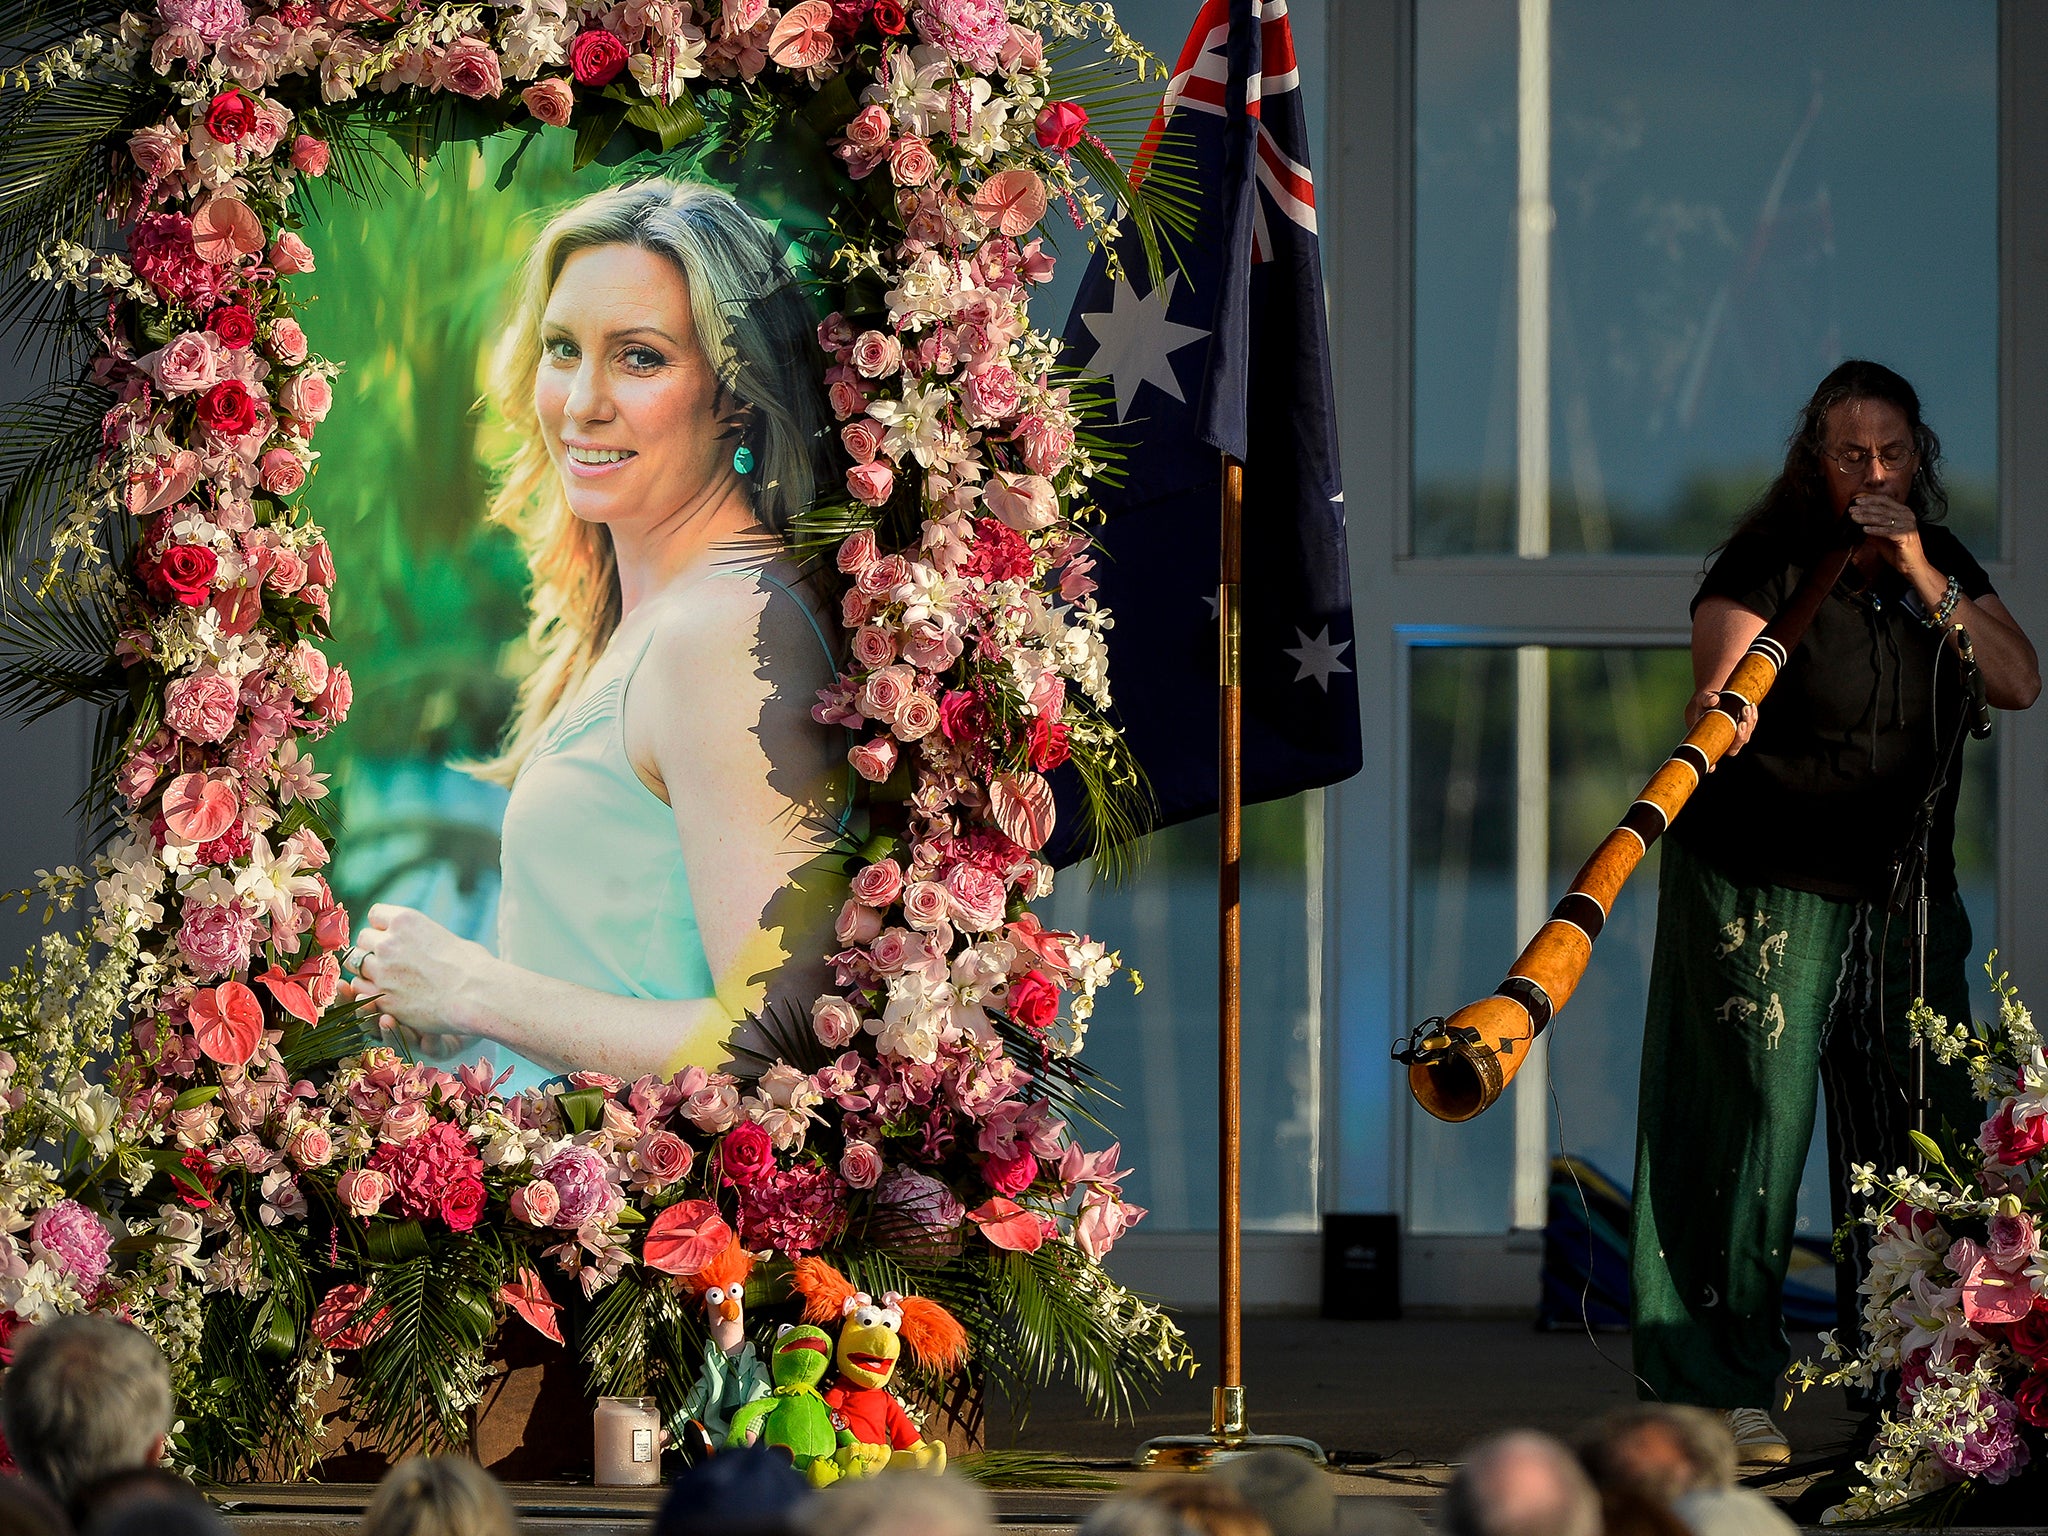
[(47, 447), (1029, 1469), (422, 1372), (60, 651)]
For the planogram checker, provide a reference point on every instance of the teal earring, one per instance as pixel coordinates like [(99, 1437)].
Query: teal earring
[(743, 460)]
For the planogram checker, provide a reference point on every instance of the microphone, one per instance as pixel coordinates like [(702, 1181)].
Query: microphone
[(1973, 686)]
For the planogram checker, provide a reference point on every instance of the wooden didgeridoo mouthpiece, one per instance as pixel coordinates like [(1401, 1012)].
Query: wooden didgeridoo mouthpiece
[(1458, 1066)]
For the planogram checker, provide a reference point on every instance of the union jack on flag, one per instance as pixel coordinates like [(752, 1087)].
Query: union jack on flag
[(1228, 354)]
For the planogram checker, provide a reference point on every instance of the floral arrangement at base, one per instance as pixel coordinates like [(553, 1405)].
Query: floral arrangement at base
[(194, 1130), (1955, 1300)]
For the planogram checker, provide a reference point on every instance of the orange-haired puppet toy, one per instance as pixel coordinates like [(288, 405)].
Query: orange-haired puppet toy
[(733, 1374), (872, 1337)]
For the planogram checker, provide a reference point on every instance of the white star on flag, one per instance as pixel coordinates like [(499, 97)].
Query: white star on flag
[(1318, 658), (1135, 340)]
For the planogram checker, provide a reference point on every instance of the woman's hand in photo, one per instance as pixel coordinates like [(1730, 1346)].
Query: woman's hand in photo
[(1745, 722), (420, 977)]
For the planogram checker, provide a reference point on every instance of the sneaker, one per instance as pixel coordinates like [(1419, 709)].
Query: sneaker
[(1758, 1442)]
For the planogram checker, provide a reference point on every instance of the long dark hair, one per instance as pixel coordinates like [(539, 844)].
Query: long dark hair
[(1794, 512)]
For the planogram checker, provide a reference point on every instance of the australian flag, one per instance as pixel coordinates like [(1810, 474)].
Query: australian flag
[(1227, 354)]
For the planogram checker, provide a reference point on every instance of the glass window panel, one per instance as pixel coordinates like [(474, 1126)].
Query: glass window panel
[(1614, 714), (1744, 194), (1158, 1047)]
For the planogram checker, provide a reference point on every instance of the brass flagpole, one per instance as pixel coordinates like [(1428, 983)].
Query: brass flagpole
[(1229, 1434)]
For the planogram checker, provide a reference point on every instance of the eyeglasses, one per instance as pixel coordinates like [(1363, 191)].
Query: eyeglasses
[(1851, 461)]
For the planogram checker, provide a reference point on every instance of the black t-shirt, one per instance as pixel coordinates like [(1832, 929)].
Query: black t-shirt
[(1827, 792)]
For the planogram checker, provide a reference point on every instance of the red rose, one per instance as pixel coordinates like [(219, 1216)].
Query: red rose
[(962, 716), (2029, 1336), (186, 571), (234, 326), (596, 57), (228, 409), (1011, 1175), (2031, 1401), (746, 1155), (1060, 125), (463, 1203), (230, 116), (889, 17), (1048, 743), (1034, 1001)]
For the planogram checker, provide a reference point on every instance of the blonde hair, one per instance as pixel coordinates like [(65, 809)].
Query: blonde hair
[(756, 331), (439, 1496)]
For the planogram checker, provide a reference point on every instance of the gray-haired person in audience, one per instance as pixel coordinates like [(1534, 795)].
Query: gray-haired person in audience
[(1685, 1457), (1297, 1498), (439, 1496), (1519, 1484), (900, 1504), (86, 1397)]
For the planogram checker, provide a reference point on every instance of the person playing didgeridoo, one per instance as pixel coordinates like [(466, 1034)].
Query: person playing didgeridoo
[(1780, 954)]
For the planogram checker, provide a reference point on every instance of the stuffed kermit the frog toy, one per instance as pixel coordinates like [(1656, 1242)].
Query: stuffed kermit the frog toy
[(794, 1415)]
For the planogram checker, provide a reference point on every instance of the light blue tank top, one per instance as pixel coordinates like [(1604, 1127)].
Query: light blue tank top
[(594, 888)]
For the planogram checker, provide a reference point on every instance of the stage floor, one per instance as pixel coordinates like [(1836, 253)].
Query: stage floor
[(1393, 1403)]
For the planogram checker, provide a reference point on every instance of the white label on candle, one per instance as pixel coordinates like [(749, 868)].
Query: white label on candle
[(643, 1445)]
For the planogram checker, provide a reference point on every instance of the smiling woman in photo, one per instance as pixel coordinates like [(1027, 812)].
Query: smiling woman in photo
[(670, 793)]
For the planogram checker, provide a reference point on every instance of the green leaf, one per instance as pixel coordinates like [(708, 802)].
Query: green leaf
[(396, 1242), (599, 126), (831, 107), (192, 1098), (582, 1109), (273, 1333), (672, 122)]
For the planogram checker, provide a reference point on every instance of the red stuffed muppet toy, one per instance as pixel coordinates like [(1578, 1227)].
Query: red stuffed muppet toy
[(872, 1337)]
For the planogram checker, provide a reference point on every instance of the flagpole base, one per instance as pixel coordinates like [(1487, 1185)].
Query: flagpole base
[(1228, 1439)]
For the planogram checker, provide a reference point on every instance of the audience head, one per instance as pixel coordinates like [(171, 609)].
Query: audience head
[(25, 1510), (144, 1501), (901, 1504), (439, 1496), (1520, 1484), (86, 1397), (746, 1491), (1135, 1515), (1661, 1450), (1290, 1493), (1208, 1507)]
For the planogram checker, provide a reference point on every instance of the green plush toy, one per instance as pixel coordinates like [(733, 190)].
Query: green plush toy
[(794, 1415)]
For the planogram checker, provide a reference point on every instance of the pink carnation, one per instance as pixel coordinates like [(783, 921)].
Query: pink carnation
[(201, 707), (70, 1237), (211, 19), (216, 940), (971, 31)]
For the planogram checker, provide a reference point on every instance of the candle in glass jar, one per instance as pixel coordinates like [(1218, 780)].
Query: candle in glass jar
[(628, 1433)]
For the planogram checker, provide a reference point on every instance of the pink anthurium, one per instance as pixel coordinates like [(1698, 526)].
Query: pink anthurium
[(228, 1022)]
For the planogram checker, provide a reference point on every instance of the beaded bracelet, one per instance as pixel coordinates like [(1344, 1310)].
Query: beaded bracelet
[(1945, 609)]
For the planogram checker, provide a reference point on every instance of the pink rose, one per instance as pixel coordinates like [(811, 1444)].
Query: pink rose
[(287, 342), (187, 365), (857, 552), (977, 898), (307, 396), (879, 884), (856, 924), (537, 1204), (746, 1155), (1022, 49), (330, 928), (1104, 1218), (991, 395), (871, 483), (159, 151), (1024, 502), (876, 355), (929, 647), (281, 472), (892, 950), (334, 700), (201, 707), (885, 691), (862, 439), (918, 717), (869, 130), (552, 101), (926, 904), (289, 254), (309, 155), (402, 1122), (834, 1021), (874, 760), (712, 1108), (310, 1146), (883, 576), (660, 1158), (287, 571), (911, 163), (267, 131), (846, 392), (2011, 1240), (861, 1164), (469, 67), (873, 646), (216, 940), (363, 1191), (306, 669)]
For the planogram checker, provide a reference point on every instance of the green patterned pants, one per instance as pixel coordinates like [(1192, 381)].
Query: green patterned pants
[(1756, 993)]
